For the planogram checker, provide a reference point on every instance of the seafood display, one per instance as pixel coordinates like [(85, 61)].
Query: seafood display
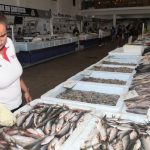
[(109, 81), (118, 63), (141, 103), (144, 66), (113, 134), (45, 127), (113, 69), (89, 97)]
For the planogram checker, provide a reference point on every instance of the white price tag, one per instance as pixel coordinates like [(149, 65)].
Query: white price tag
[(70, 84), (87, 73), (130, 94)]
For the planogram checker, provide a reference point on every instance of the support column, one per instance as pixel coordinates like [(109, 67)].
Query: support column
[(58, 7), (114, 20), (81, 26), (51, 26)]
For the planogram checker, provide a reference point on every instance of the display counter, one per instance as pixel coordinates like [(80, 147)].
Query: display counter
[(37, 51), (91, 39)]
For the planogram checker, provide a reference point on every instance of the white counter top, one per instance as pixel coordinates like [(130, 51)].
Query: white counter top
[(30, 46)]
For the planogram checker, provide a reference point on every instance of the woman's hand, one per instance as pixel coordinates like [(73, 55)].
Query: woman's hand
[(27, 96), (26, 92)]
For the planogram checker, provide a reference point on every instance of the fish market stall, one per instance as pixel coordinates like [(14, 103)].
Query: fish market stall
[(37, 51), (138, 102), (119, 61), (114, 134), (90, 39), (45, 125), (105, 106), (132, 48), (112, 68), (121, 52), (100, 96), (103, 77)]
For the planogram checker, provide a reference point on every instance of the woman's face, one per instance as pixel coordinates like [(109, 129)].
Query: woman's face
[(3, 36)]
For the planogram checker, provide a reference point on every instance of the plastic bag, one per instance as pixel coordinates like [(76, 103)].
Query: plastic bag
[(6, 116)]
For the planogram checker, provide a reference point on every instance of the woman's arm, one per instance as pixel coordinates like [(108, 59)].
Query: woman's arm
[(25, 90)]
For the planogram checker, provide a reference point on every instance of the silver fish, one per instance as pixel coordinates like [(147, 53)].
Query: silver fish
[(23, 140), (47, 140), (113, 134), (8, 138), (47, 128), (21, 118), (52, 143), (64, 130), (60, 124), (28, 121)]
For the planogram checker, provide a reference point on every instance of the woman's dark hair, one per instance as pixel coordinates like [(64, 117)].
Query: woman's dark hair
[(3, 19)]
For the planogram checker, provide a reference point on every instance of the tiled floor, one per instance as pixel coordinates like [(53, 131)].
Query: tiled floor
[(43, 77)]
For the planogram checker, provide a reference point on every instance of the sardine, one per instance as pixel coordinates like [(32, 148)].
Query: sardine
[(52, 143), (60, 124), (28, 122), (125, 141), (21, 118), (113, 134), (23, 140), (47, 140), (64, 130), (8, 138)]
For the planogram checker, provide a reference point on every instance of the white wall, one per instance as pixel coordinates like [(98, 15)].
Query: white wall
[(8, 2), (66, 7)]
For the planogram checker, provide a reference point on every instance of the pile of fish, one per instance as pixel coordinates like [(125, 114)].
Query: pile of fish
[(118, 63), (141, 103), (116, 134), (113, 69), (144, 66), (89, 97), (45, 127), (109, 81), (146, 50)]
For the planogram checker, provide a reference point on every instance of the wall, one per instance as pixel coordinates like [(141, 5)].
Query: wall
[(9, 2), (66, 7)]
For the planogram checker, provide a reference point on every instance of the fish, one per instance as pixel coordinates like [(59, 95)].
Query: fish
[(28, 122), (65, 129), (23, 140), (52, 143), (47, 139), (60, 124), (113, 134), (21, 118)]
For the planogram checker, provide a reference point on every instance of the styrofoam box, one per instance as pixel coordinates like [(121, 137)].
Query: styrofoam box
[(111, 66), (137, 58), (104, 75), (137, 49), (120, 51), (100, 88), (125, 61), (68, 143)]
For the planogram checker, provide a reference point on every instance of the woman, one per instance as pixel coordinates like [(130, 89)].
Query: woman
[(10, 72)]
